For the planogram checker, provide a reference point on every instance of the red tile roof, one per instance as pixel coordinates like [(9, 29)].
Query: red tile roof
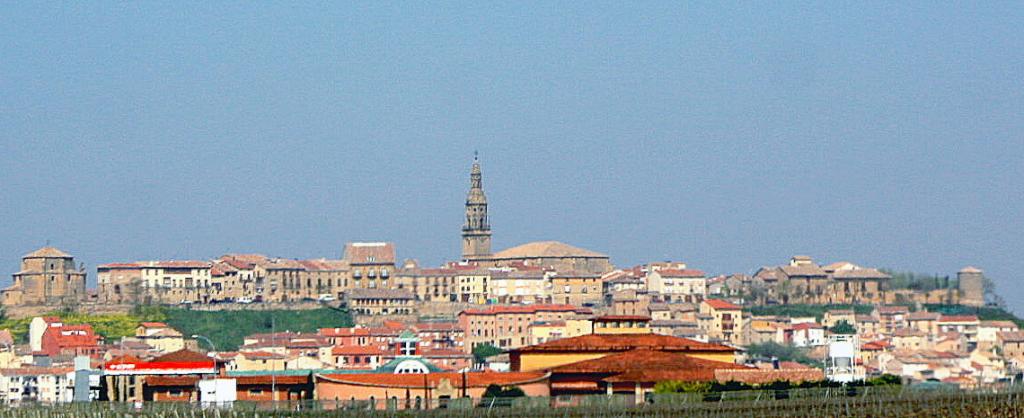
[(617, 318), (189, 264), (183, 356), (363, 252), (357, 350), (344, 332), (721, 304), (153, 324), (648, 366), (892, 309), (624, 342), (474, 379), (689, 273), (875, 345), (958, 318), (269, 379)]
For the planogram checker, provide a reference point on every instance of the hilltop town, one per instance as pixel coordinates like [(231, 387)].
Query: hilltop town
[(547, 319)]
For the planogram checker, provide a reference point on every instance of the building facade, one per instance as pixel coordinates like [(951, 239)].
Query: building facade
[(48, 276)]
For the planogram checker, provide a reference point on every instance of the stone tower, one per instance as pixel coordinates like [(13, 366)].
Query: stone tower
[(972, 286), (48, 276), (476, 232)]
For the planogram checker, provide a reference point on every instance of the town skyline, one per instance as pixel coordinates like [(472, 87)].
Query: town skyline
[(725, 136), (476, 221)]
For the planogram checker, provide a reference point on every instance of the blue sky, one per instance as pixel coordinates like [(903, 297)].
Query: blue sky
[(728, 136)]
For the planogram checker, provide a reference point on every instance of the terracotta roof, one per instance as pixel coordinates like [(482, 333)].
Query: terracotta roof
[(1011, 336), (547, 249), (958, 318), (183, 356), (648, 366), (908, 332), (47, 252), (474, 379), (281, 264), (624, 342), (999, 324), (524, 309), (800, 271), (6, 339), (344, 332), (267, 379), (691, 273), (153, 325), (325, 265), (179, 264), (354, 350), (363, 252), (80, 336), (805, 325), (875, 345), (617, 318), (860, 273), (838, 265), (721, 304), (970, 269), (262, 355), (923, 316), (243, 261), (36, 371)]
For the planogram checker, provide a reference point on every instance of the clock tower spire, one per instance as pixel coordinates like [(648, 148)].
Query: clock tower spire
[(476, 231)]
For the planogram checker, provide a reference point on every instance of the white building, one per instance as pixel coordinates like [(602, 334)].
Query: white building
[(37, 384), (840, 366)]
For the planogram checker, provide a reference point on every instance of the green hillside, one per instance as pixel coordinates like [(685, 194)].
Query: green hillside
[(227, 328), (224, 328)]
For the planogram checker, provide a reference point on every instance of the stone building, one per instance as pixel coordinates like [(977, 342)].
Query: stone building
[(580, 288), (552, 255), (429, 284), (803, 281), (972, 286), (381, 301), (371, 264), (119, 283), (232, 277), (48, 276)]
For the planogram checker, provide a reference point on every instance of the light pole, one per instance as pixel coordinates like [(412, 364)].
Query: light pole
[(213, 348)]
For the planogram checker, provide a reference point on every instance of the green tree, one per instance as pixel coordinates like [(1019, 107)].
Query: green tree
[(496, 391), (678, 386), (484, 351), (782, 352), (843, 328)]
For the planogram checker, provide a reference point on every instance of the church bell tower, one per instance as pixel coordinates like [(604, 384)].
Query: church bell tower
[(476, 232)]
